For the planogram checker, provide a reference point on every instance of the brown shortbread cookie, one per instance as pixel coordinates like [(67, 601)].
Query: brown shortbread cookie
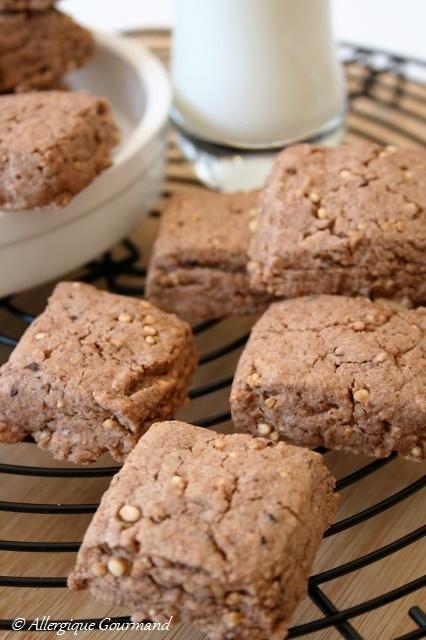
[(92, 374), (216, 531), (52, 145), (347, 220), (38, 48), (344, 373), (198, 267)]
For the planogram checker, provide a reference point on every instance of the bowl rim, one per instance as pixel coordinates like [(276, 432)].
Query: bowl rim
[(154, 77), (129, 162)]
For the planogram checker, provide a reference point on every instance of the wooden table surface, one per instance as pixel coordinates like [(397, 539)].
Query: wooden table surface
[(399, 568)]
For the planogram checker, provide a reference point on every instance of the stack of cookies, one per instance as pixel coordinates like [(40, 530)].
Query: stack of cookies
[(341, 233), (348, 220), (39, 45), (53, 143)]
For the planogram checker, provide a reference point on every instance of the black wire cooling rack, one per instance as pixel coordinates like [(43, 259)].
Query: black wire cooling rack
[(379, 89)]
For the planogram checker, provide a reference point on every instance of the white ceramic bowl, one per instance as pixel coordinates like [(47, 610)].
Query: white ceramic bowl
[(37, 246)]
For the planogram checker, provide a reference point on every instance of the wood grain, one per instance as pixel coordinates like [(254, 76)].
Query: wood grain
[(409, 563)]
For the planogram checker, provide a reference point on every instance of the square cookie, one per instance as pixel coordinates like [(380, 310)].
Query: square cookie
[(199, 264), (52, 145), (92, 374), (216, 531), (38, 48), (347, 220), (343, 373)]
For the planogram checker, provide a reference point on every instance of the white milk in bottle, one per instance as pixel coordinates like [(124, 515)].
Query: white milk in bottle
[(253, 75)]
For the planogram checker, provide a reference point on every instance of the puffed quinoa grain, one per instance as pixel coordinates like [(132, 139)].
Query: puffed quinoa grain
[(109, 423), (361, 395), (116, 567), (149, 331), (264, 429), (253, 378), (270, 402), (129, 513), (125, 317), (178, 481)]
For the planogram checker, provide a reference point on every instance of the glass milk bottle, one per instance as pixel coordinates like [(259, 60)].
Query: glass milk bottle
[(250, 77)]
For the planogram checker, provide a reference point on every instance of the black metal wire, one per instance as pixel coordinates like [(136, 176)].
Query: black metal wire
[(109, 269), (381, 506), (58, 472)]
